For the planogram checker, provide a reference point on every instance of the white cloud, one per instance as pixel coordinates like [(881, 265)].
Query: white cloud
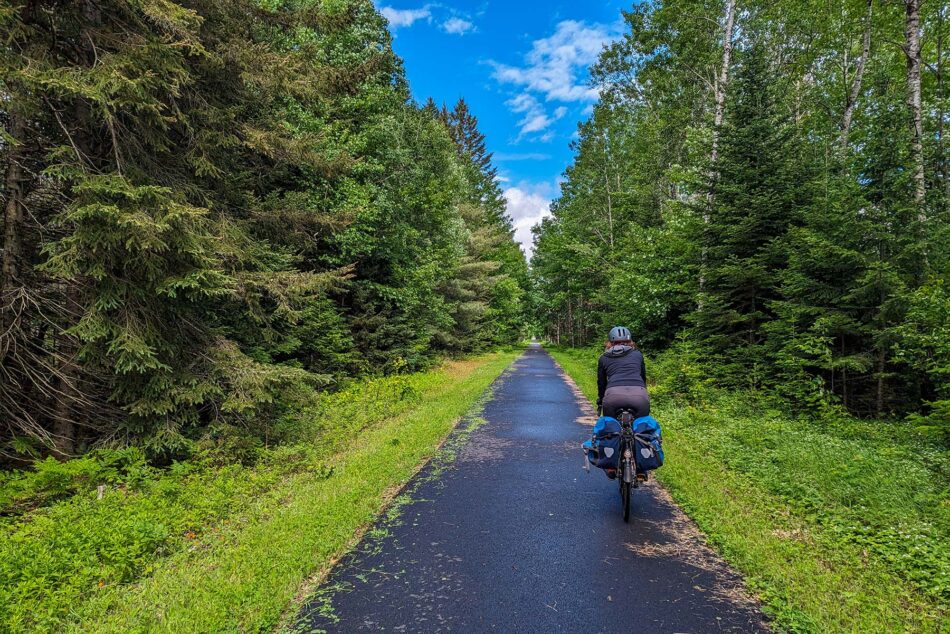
[(554, 64), (528, 156), (555, 69), (535, 118), (457, 26), (405, 17), (447, 19), (527, 204)]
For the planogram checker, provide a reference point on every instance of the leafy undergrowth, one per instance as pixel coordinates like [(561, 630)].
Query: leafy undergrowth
[(837, 524), (203, 546)]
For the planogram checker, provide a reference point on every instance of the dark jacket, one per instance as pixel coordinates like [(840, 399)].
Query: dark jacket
[(620, 365)]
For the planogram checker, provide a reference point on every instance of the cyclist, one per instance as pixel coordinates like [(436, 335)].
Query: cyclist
[(622, 376)]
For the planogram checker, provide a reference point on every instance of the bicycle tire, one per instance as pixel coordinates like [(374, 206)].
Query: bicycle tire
[(625, 489)]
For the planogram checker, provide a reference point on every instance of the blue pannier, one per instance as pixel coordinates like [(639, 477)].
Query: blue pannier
[(606, 442), (649, 443), (591, 451)]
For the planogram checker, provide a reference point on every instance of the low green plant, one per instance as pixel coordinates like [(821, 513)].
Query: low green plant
[(50, 479)]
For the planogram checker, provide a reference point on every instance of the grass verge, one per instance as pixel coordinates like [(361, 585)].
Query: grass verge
[(838, 525), (226, 548)]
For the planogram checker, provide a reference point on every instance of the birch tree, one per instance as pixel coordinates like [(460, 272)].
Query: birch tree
[(854, 92), (912, 28), (722, 79)]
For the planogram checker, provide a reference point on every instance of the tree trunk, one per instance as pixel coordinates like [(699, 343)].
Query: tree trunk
[(912, 48), (13, 216), (65, 411), (844, 379), (855, 91), (723, 80), (610, 206), (66, 416), (64, 439), (15, 193), (941, 112), (844, 387), (570, 321), (880, 384)]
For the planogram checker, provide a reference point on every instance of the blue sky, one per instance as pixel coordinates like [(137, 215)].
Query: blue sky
[(522, 67)]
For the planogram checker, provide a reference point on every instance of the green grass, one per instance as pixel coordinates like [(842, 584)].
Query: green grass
[(204, 547), (838, 525)]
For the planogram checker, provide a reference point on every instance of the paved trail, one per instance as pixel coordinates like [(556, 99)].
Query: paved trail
[(513, 536)]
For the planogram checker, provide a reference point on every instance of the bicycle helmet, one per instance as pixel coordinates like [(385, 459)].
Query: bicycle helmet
[(619, 333)]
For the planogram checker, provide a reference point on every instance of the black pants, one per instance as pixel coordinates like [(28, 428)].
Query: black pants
[(635, 398)]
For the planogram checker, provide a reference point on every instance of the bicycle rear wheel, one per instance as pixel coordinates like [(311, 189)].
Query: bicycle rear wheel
[(625, 488)]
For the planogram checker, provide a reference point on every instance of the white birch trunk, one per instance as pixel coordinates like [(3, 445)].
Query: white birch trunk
[(855, 91), (723, 80), (912, 48), (13, 205)]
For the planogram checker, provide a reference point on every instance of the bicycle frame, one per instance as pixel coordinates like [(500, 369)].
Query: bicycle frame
[(628, 452), (628, 461)]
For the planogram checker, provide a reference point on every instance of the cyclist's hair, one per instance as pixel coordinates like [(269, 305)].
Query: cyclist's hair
[(623, 342)]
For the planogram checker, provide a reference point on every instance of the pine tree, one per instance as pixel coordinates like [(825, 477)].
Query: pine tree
[(818, 339), (462, 125), (488, 287), (760, 188)]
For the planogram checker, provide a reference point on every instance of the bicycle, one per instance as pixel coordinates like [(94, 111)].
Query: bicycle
[(627, 471), (627, 476)]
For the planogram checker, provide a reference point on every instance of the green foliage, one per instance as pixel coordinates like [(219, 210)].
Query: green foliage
[(492, 275), (754, 199), (881, 488), (230, 204), (924, 342), (680, 373), (50, 479), (764, 214)]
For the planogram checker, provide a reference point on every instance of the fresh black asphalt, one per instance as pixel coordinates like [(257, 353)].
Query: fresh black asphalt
[(513, 536)]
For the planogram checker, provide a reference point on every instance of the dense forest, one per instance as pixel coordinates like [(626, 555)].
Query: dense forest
[(764, 187), (213, 209)]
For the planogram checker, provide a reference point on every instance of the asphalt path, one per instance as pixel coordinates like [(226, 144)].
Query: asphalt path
[(507, 533)]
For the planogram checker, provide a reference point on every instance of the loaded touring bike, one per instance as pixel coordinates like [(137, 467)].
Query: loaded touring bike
[(627, 448), (627, 473)]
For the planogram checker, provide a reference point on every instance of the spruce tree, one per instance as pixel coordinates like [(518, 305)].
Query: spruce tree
[(488, 287), (211, 210), (760, 187), (462, 125)]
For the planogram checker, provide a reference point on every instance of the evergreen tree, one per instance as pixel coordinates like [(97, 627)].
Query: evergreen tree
[(462, 125), (213, 208), (760, 188), (488, 287)]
